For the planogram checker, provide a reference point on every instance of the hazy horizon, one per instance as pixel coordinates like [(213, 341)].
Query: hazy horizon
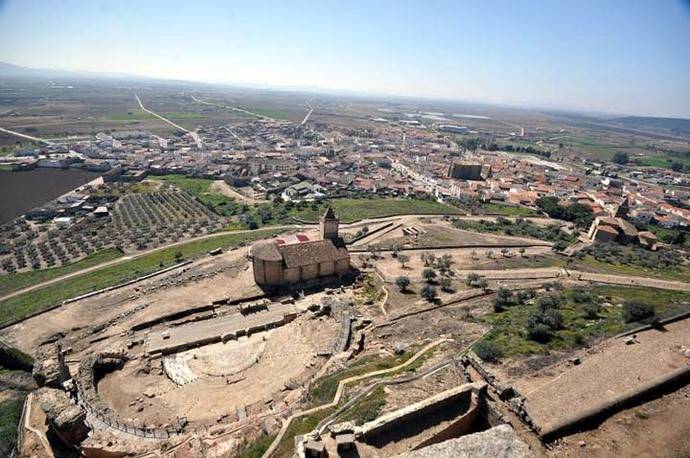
[(606, 57)]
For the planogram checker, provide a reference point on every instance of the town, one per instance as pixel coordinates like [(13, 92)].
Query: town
[(263, 267), (344, 229)]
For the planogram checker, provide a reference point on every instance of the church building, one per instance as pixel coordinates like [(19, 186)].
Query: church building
[(290, 260)]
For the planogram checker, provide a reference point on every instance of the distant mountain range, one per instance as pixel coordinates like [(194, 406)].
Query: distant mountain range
[(17, 71)]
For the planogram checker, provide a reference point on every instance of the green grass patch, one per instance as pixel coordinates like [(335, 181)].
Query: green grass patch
[(42, 298), (517, 228), (508, 210), (275, 114), (195, 186), (666, 302), (351, 209), (519, 262), (366, 409), (10, 413), (508, 327), (257, 449), (323, 390), (664, 160), (680, 272), (16, 281), (299, 426)]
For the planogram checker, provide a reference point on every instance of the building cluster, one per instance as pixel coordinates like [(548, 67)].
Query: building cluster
[(268, 159)]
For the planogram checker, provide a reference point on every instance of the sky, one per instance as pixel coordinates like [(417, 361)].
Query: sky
[(607, 56)]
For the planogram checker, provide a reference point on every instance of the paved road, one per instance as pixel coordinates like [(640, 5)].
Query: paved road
[(306, 118), (241, 110), (130, 257), (24, 136), (194, 135)]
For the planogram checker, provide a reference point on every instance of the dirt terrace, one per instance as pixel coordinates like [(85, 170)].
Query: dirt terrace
[(205, 280), (606, 372)]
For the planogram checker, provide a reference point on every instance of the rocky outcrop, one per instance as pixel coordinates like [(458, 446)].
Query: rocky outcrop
[(49, 366), (498, 442), (64, 418)]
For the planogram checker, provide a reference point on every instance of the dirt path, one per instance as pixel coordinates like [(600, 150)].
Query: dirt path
[(129, 258), (27, 425), (228, 191), (339, 394)]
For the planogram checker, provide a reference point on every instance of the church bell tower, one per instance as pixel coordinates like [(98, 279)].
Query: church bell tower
[(328, 225)]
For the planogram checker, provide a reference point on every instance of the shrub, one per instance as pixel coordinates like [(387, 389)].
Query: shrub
[(402, 283), (428, 293), (538, 331), (554, 286), (553, 319), (637, 311), (591, 310), (540, 325), (504, 296), (429, 275), (472, 278), (498, 307), (580, 296), (487, 351), (550, 301), (525, 295), (482, 283), (446, 285)]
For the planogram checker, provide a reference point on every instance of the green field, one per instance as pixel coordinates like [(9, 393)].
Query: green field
[(681, 273), (195, 186), (40, 299), (662, 160), (594, 148), (508, 210), (275, 114), (516, 228), (16, 281), (139, 115), (508, 327), (348, 209)]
